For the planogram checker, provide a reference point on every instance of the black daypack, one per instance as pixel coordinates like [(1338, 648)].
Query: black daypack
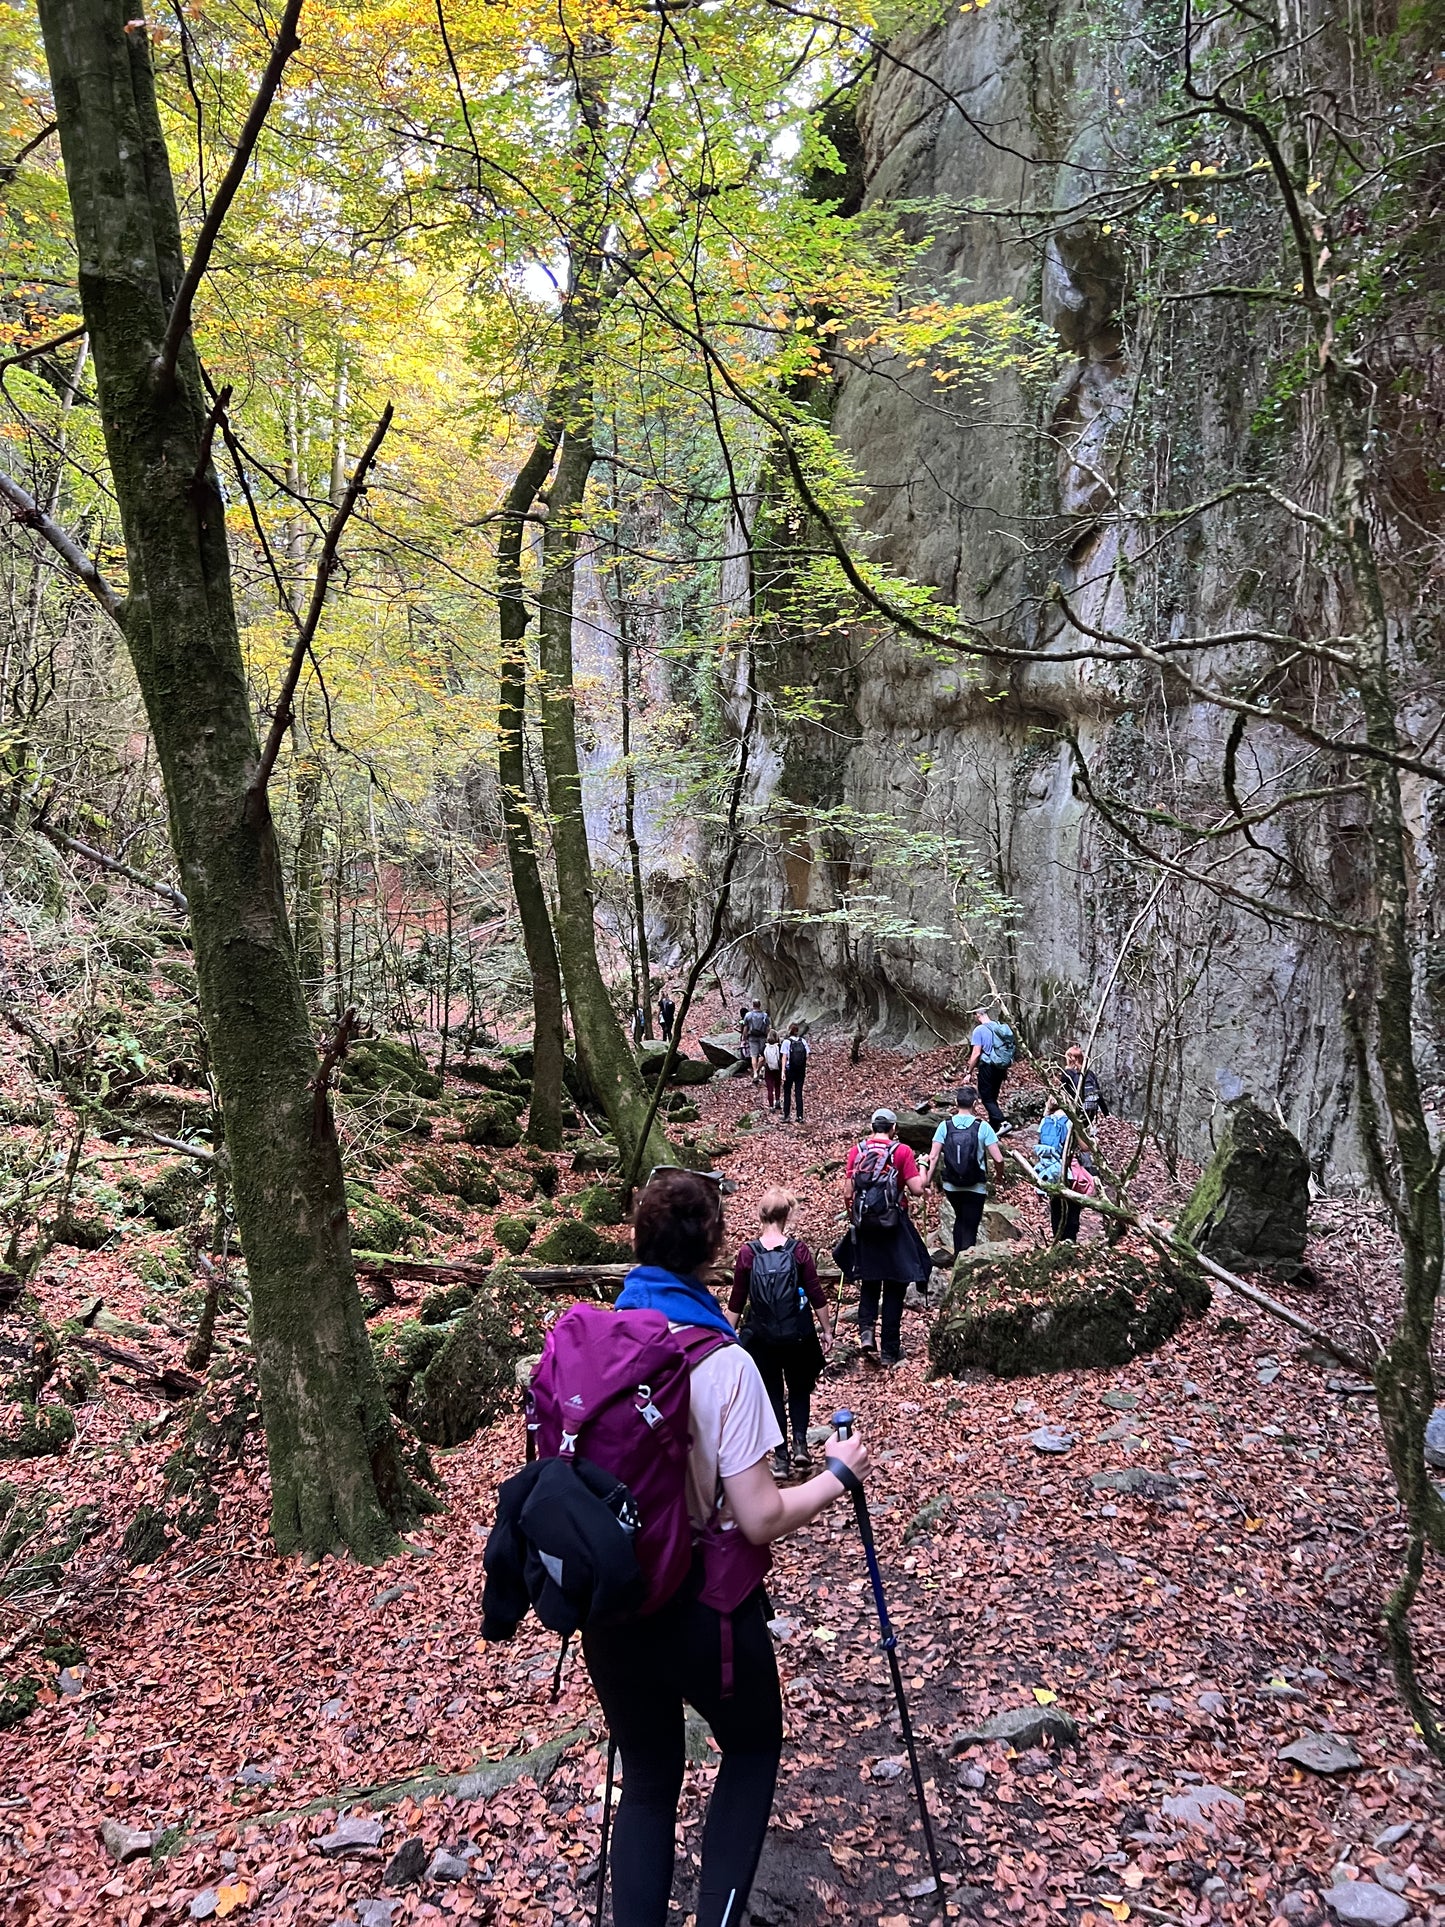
[(777, 1309), (876, 1188), (962, 1154)]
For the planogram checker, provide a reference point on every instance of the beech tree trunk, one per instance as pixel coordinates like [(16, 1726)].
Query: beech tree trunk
[(603, 1051), (544, 1115), (337, 1477)]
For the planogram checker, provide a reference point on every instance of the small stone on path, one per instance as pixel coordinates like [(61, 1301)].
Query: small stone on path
[(205, 1903), (125, 1843), (1392, 1836), (255, 1776), (1360, 1903), (1204, 1806), (1020, 1727), (349, 1835), (1048, 1439), (1136, 1480), (407, 1864), (1322, 1753), (1121, 1401), (886, 1770), (446, 1866), (375, 1913)]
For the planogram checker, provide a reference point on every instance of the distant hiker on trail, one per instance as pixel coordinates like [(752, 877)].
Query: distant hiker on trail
[(881, 1248), (699, 1552), (639, 1024), (775, 1287), (756, 1025), (666, 1013), (773, 1069), (796, 1051), (988, 1061), (1082, 1085), (964, 1145)]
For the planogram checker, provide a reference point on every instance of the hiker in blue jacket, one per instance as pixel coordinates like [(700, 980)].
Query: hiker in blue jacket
[(993, 1050)]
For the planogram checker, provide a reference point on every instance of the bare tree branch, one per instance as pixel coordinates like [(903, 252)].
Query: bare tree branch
[(286, 43), (172, 896), (305, 634), (30, 515)]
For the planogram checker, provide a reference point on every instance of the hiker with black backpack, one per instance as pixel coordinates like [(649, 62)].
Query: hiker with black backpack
[(755, 1028), (993, 1050), (881, 1248), (796, 1051), (964, 1145), (645, 1521), (666, 1012), (1081, 1085), (775, 1290)]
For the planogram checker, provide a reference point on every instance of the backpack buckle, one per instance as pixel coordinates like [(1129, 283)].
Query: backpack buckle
[(647, 1410)]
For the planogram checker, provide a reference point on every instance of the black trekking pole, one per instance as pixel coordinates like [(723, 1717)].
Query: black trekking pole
[(606, 1828), (843, 1425)]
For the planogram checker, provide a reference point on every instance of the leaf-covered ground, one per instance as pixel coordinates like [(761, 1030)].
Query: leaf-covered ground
[(235, 1706)]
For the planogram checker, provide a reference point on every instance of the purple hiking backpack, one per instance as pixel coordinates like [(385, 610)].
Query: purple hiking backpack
[(614, 1387)]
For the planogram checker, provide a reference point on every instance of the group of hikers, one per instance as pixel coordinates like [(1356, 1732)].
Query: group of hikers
[(780, 1064), (685, 1424)]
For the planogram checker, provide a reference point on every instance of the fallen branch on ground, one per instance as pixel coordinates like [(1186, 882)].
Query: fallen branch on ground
[(169, 1378)]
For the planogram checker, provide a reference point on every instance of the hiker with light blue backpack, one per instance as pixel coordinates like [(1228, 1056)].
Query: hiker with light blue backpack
[(993, 1050)]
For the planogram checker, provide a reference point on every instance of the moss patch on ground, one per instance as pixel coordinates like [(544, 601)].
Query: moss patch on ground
[(1067, 1308)]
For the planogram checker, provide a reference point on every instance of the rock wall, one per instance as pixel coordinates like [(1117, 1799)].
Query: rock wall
[(990, 503)]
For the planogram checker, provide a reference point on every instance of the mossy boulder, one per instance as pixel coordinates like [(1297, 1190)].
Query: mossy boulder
[(916, 1129), (471, 1377), (493, 1122), (599, 1204), (477, 1186), (402, 1352), (514, 1234), (1067, 1308), (38, 1432), (722, 1050), (543, 1168), (571, 1242), (81, 1233), (440, 1306), (384, 1064), (1251, 1206), (377, 1225), (173, 1196)]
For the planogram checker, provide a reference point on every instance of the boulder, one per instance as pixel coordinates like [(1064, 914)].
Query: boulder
[(173, 1196), (916, 1129), (407, 1865), (514, 1234), (471, 1377), (1323, 1753), (377, 1225), (1435, 1439), (1205, 1807), (355, 1834), (1251, 1206), (685, 1070), (125, 1843), (493, 1122), (1065, 1308), (1362, 1903), (385, 1064), (573, 1243), (599, 1204), (721, 1050)]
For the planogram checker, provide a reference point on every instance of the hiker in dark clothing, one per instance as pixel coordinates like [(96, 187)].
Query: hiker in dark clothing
[(796, 1051), (1081, 1085), (963, 1147), (881, 1248), (775, 1283), (645, 1667), (639, 1024), (666, 1012), (756, 1025), (988, 1064)]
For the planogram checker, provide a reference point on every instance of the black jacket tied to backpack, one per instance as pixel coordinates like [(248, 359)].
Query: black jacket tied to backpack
[(589, 1572)]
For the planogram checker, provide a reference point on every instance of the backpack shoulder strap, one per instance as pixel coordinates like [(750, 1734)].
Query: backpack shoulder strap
[(698, 1342)]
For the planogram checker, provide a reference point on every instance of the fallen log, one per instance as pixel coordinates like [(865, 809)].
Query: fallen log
[(169, 1378)]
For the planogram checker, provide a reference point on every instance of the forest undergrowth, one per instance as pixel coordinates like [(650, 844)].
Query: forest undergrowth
[(236, 1707)]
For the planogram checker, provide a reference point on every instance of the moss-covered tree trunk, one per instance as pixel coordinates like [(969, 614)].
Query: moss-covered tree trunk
[(544, 1116), (337, 1476)]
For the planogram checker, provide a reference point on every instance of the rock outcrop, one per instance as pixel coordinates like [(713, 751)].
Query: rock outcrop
[(1251, 1206)]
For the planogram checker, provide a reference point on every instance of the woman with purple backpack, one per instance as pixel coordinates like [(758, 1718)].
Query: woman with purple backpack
[(645, 1666)]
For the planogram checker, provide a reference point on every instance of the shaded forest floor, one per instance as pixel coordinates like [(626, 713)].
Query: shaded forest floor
[(235, 1706)]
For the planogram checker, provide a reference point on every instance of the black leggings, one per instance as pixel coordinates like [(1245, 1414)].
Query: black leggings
[(793, 1089), (892, 1291), (643, 1671), (794, 1368), (990, 1082)]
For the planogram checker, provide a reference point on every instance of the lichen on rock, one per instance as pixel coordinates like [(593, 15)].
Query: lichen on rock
[(1067, 1308)]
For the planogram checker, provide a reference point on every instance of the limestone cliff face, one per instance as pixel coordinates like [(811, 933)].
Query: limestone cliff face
[(992, 503)]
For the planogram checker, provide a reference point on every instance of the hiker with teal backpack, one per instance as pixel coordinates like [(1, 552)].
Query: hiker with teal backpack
[(993, 1050), (645, 1522), (964, 1146), (775, 1292)]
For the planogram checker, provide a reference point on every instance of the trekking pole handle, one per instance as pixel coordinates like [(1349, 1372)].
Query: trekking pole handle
[(842, 1423)]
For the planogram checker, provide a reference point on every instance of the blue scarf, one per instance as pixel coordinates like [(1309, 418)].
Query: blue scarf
[(682, 1301)]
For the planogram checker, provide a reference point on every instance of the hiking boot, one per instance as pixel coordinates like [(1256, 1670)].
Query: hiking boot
[(801, 1455), (890, 1361), (781, 1467)]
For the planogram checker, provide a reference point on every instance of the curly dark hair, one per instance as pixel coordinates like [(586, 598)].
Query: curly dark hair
[(677, 1222)]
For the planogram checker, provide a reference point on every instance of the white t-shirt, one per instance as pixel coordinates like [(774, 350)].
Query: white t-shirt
[(733, 1426)]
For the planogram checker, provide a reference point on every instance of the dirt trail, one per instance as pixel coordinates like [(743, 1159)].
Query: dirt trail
[(1189, 1636)]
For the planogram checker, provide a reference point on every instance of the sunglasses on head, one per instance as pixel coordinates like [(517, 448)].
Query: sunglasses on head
[(724, 1184)]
